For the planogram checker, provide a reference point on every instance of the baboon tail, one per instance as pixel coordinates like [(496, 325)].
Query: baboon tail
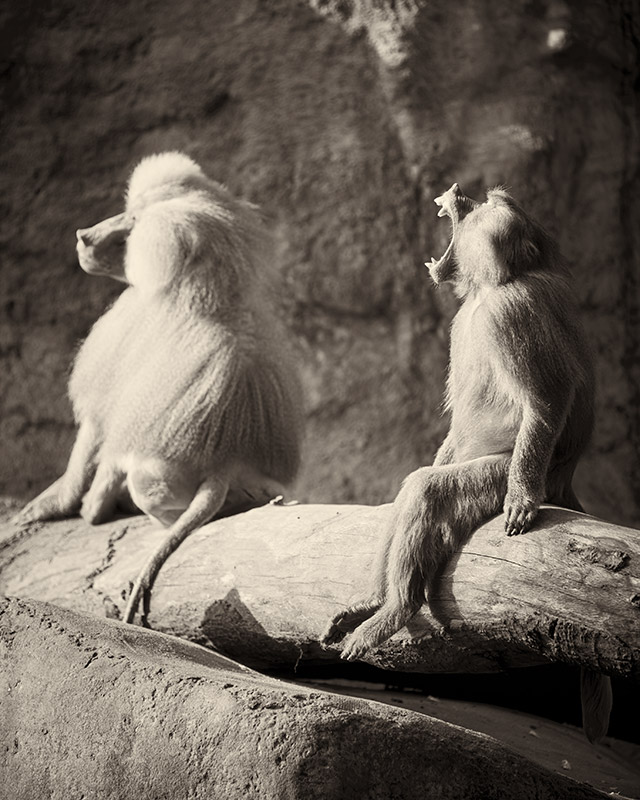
[(597, 700), (595, 688)]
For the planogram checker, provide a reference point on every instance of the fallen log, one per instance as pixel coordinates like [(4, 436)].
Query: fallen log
[(260, 587), (96, 708)]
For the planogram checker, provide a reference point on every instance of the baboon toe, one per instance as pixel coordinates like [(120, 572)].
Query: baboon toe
[(347, 621), (22, 518), (355, 647), (333, 634), (93, 516), (35, 511)]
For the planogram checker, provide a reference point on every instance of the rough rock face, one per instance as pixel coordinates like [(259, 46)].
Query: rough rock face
[(343, 120), (92, 708)]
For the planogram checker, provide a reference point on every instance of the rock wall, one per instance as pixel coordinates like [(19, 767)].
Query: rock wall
[(343, 120)]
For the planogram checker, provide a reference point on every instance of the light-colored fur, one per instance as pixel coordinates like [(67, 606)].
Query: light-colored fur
[(520, 395), (184, 391)]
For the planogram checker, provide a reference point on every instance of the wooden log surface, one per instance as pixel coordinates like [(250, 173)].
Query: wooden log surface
[(261, 586)]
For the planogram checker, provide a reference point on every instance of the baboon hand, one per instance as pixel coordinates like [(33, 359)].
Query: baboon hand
[(45, 506), (519, 513), (24, 517)]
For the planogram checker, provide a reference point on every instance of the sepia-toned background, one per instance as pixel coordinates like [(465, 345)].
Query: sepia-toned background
[(342, 120)]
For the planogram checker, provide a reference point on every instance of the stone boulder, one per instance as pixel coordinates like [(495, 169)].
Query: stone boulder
[(97, 709)]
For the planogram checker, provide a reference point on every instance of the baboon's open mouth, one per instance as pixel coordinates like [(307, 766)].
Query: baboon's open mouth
[(455, 205)]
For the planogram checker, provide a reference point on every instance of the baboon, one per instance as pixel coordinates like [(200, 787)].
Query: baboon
[(185, 397), (520, 394)]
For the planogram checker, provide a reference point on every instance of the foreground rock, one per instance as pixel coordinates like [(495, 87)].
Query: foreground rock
[(92, 708), (261, 586), (613, 766)]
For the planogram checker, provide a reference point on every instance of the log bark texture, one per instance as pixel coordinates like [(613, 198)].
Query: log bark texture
[(261, 586), (98, 709)]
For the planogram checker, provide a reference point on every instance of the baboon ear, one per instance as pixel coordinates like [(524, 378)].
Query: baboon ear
[(160, 245), (515, 244)]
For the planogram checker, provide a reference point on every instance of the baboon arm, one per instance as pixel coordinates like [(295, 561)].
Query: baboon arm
[(531, 367), (534, 446), (446, 452), (527, 479), (64, 496)]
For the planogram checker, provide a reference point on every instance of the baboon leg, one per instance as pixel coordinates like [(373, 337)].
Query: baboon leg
[(99, 503), (437, 510), (348, 620)]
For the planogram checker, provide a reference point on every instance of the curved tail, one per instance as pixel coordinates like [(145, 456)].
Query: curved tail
[(597, 700)]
